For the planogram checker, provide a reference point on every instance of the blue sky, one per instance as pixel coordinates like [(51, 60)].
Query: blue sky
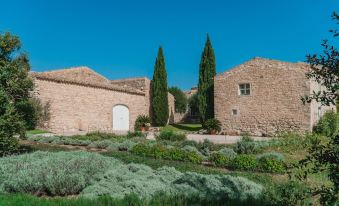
[(120, 38)]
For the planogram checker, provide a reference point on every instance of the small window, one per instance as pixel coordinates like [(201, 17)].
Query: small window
[(244, 89), (234, 112)]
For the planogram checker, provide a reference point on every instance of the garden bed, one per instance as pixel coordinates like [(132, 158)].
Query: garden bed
[(91, 175)]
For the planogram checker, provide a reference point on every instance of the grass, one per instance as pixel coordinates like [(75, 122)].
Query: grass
[(129, 200), (96, 136), (183, 127), (36, 131)]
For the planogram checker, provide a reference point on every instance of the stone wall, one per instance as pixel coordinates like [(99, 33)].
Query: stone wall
[(318, 110), (76, 109), (141, 83), (274, 104), (171, 109), (79, 109)]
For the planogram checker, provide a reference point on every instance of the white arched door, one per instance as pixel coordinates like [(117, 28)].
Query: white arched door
[(120, 118)]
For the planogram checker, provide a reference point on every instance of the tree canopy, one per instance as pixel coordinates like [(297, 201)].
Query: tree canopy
[(180, 99), (160, 112), (15, 87), (322, 155), (207, 71), (325, 70)]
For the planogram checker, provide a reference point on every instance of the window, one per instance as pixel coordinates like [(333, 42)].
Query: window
[(244, 89), (234, 112)]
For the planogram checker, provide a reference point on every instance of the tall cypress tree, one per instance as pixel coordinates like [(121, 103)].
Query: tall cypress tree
[(160, 111), (207, 72)]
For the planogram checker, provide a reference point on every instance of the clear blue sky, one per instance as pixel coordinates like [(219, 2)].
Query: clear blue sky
[(120, 38)]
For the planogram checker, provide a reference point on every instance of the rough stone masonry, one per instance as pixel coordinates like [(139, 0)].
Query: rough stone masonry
[(81, 100), (262, 97)]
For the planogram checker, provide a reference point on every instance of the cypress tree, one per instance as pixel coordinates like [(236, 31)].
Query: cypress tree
[(207, 72), (160, 111)]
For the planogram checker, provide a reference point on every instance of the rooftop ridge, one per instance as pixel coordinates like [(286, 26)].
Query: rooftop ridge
[(128, 79), (263, 59), (83, 76)]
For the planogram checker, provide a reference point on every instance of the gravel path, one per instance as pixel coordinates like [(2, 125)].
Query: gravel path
[(217, 139)]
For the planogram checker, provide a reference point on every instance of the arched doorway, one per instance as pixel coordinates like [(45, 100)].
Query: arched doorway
[(120, 118)]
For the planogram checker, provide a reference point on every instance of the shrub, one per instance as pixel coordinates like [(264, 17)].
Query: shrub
[(271, 155), (159, 151), (142, 149), (49, 139), (135, 134), (219, 159), (146, 182), (171, 136), (142, 121), (194, 157), (246, 146), (290, 193), (205, 147), (244, 162), (189, 143), (328, 124), (271, 165), (271, 162), (212, 125), (215, 186), (62, 173), (222, 157), (188, 148), (175, 154), (93, 175), (100, 144), (126, 145), (228, 152)]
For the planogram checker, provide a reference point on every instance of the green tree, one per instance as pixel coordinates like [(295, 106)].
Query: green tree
[(15, 86), (180, 99), (194, 104), (160, 112), (207, 72), (325, 70), (322, 155)]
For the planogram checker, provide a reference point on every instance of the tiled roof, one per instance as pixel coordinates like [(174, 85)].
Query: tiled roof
[(266, 62), (83, 76)]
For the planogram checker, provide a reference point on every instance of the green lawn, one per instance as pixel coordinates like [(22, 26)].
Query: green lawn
[(36, 131), (183, 127)]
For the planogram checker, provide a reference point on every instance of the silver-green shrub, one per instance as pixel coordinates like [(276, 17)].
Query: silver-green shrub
[(217, 186), (228, 152), (145, 182), (102, 144), (189, 148), (60, 173), (126, 145), (272, 155), (93, 175)]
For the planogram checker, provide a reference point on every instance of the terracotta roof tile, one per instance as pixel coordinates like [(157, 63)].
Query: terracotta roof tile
[(82, 76)]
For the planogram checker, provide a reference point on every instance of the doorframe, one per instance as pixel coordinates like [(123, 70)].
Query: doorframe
[(129, 117)]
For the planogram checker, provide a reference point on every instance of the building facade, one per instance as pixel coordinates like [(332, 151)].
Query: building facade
[(262, 97), (83, 101)]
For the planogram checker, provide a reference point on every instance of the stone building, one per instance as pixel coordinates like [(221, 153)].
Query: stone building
[(262, 97), (82, 100)]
